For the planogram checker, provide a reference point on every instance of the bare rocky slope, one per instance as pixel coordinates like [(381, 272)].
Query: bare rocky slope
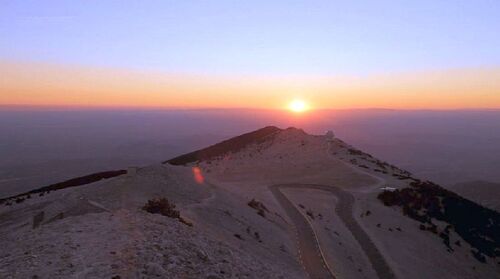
[(228, 223)]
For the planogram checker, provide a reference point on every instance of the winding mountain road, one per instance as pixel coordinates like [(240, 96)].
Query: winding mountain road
[(310, 253)]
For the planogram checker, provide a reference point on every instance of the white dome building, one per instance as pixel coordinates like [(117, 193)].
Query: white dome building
[(330, 135)]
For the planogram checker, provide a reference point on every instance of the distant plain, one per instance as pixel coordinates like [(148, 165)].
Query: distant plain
[(40, 147)]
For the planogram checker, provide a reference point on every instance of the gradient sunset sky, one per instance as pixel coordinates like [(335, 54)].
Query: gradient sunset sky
[(255, 54)]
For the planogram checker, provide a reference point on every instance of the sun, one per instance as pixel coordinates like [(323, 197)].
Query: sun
[(298, 106)]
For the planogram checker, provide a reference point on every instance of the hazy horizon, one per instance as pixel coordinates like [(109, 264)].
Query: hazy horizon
[(52, 145)]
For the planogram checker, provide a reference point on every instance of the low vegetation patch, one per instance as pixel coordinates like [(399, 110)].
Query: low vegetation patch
[(161, 206), (367, 213), (164, 207), (238, 236), (383, 166), (426, 202), (357, 152), (259, 206), (310, 214)]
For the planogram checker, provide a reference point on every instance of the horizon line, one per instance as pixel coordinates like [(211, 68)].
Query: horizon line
[(43, 107)]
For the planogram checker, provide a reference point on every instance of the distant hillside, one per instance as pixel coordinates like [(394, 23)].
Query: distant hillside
[(231, 145), (483, 192)]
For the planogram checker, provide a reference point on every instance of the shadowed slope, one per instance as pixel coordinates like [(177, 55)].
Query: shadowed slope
[(231, 145), (426, 201), (83, 180)]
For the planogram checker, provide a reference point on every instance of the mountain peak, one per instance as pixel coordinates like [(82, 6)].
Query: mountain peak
[(231, 145)]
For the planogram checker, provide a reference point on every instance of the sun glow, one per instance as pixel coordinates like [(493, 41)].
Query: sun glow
[(298, 106)]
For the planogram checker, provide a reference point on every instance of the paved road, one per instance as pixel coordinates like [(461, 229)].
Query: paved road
[(308, 246), (310, 252)]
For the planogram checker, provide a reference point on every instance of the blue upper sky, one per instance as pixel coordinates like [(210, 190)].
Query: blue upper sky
[(254, 37)]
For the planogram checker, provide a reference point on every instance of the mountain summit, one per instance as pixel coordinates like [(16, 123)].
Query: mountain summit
[(273, 203), (228, 146)]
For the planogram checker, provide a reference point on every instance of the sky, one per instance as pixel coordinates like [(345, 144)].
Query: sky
[(349, 54)]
